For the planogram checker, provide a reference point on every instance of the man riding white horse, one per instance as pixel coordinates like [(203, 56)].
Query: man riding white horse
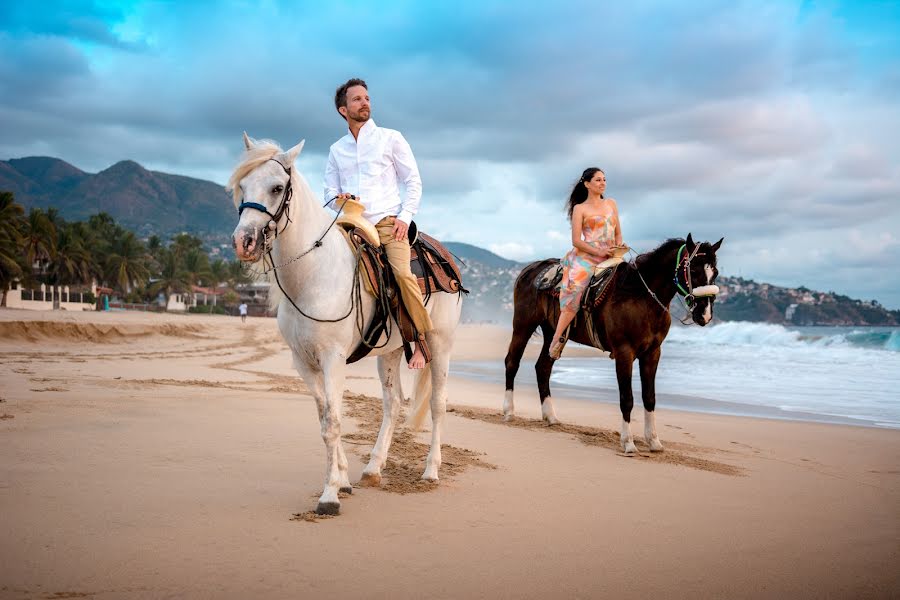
[(368, 163)]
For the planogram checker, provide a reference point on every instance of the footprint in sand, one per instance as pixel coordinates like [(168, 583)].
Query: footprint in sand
[(677, 453)]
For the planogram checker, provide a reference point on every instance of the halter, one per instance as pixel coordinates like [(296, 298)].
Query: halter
[(688, 295), (283, 207), (691, 293)]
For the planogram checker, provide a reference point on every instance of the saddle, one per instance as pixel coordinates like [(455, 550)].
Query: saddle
[(597, 290), (431, 263)]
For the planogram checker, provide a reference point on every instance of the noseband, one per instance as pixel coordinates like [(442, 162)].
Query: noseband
[(691, 293)]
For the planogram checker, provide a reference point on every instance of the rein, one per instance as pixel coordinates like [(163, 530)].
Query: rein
[(268, 243), (686, 296)]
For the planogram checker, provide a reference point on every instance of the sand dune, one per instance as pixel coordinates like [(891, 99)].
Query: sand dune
[(148, 456)]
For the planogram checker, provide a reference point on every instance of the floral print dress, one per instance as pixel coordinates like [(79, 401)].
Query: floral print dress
[(600, 232)]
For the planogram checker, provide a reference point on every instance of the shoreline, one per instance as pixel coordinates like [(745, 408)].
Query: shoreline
[(486, 373)]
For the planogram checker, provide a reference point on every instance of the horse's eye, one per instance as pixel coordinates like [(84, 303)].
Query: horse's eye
[(277, 189)]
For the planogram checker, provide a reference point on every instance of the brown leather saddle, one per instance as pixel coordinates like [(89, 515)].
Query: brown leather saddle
[(432, 264), (598, 289)]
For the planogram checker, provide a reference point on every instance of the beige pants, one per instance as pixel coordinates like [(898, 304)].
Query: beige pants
[(398, 256)]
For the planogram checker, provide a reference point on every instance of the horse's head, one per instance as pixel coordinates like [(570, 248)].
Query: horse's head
[(262, 189), (695, 275)]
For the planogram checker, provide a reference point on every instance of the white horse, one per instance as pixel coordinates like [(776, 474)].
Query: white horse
[(319, 280)]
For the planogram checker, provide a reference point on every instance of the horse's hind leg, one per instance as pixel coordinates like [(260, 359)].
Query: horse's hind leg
[(648, 364), (389, 373), (522, 331), (441, 344), (543, 367)]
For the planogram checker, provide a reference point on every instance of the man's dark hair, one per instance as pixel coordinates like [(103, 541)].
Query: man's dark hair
[(340, 95)]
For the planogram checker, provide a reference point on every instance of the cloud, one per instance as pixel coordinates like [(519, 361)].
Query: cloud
[(771, 123)]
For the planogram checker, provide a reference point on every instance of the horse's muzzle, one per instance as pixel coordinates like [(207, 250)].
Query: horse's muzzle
[(247, 246)]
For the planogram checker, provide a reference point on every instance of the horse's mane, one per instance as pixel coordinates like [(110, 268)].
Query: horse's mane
[(628, 280), (664, 248), (262, 151)]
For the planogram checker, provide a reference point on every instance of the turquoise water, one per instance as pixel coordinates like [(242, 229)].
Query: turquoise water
[(839, 374)]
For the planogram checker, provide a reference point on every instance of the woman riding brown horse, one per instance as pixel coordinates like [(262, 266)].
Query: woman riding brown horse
[(630, 322)]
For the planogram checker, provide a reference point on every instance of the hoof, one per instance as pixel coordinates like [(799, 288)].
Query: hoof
[(328, 508), (430, 479), (369, 480), (346, 490), (507, 418), (629, 448), (551, 420), (656, 446)]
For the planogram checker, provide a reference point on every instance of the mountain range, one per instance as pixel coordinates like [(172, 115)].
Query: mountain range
[(150, 202)]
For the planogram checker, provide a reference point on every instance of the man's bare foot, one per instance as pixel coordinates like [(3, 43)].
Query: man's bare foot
[(418, 359)]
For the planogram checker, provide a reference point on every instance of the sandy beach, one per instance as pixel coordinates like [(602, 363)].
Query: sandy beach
[(169, 456)]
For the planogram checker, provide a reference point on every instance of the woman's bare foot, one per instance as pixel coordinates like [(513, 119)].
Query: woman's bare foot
[(556, 348)]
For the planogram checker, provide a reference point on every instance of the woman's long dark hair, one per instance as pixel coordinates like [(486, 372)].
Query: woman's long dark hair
[(579, 192)]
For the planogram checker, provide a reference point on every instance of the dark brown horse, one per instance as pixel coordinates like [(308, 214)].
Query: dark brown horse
[(631, 322)]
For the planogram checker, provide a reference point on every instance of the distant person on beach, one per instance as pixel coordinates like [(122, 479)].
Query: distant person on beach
[(243, 310), (596, 231), (370, 163)]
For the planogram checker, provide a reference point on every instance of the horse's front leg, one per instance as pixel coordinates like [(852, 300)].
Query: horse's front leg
[(326, 384), (391, 394), (648, 364), (624, 363)]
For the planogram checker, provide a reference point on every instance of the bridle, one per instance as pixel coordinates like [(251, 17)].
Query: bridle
[(687, 296), (284, 206), (284, 211), (691, 293)]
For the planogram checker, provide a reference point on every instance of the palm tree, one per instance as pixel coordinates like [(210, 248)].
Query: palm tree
[(237, 274), (72, 262), (196, 268), (172, 277), (126, 266), (11, 258), (39, 241), (219, 271), (94, 248)]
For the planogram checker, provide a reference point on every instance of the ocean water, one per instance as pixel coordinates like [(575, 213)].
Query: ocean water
[(837, 374)]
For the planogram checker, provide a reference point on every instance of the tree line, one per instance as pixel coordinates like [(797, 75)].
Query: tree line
[(39, 246)]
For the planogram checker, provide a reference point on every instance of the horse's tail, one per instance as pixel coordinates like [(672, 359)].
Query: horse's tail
[(421, 402)]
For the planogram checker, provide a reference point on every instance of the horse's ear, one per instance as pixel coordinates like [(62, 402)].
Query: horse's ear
[(248, 143), (689, 241), (294, 152), (717, 245)]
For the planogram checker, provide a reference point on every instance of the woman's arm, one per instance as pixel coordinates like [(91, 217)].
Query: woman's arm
[(618, 223), (577, 242)]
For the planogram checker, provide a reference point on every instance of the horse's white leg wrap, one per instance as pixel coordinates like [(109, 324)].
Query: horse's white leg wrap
[(627, 439), (509, 407), (650, 432), (388, 372), (548, 413)]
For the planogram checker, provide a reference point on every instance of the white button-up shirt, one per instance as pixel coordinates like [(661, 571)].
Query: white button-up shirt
[(371, 168)]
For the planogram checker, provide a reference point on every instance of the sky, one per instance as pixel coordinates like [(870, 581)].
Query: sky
[(773, 124)]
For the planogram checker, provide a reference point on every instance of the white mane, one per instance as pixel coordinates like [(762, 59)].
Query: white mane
[(261, 152)]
